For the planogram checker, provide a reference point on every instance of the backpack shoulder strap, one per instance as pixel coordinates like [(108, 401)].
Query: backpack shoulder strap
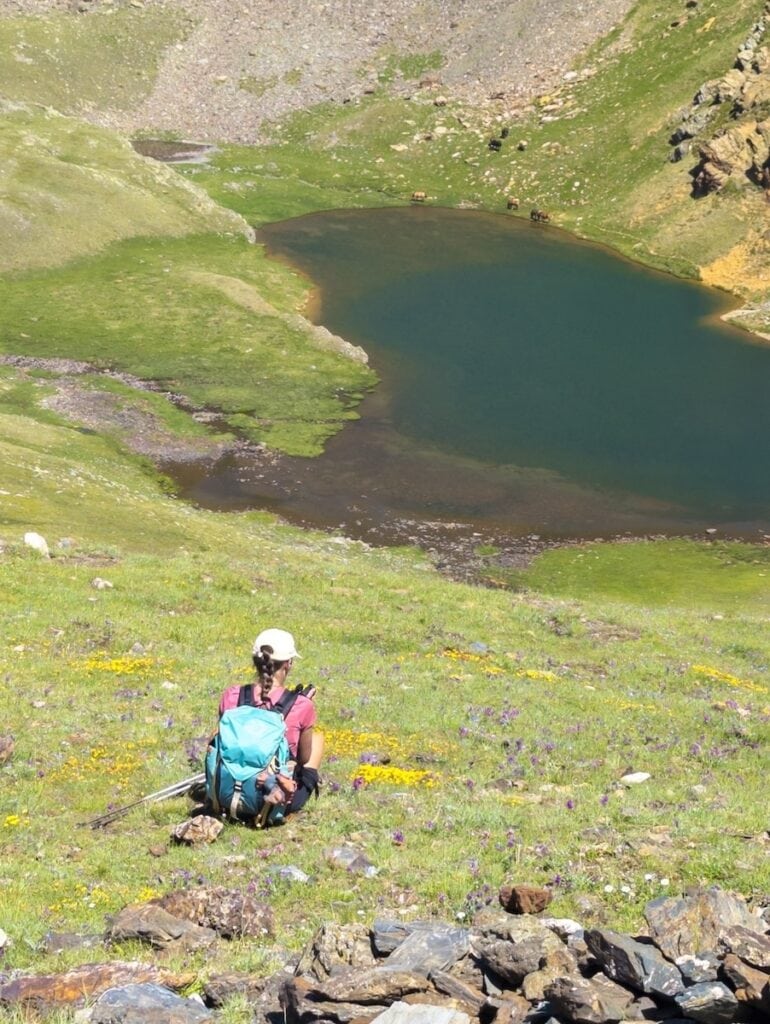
[(246, 696), (286, 703)]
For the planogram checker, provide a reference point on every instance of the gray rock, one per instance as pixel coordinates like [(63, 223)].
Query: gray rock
[(694, 969), (697, 921), (58, 942), (583, 1001), (641, 967), (751, 947), (351, 859), (404, 1013), (221, 987), (520, 944), (711, 1002), (433, 949), (147, 1004), (375, 985)]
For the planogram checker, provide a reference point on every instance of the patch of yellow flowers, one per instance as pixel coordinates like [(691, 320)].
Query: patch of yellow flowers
[(126, 665), (345, 742), (707, 672), (384, 773), (99, 762)]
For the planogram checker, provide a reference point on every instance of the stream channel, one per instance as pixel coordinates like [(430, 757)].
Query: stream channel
[(534, 389)]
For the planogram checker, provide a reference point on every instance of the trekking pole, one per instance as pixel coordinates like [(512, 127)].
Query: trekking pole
[(177, 789)]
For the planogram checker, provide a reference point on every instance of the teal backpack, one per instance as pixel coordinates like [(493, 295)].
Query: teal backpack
[(245, 757)]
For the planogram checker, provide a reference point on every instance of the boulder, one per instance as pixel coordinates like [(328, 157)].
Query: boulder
[(403, 1013), (750, 946), (148, 922), (638, 966), (203, 828), (710, 1002), (229, 912), (334, 946), (74, 987), (751, 985), (584, 1001), (468, 998), (382, 985), (221, 987), (147, 1004), (703, 967), (524, 899), (437, 948), (696, 921), (515, 946)]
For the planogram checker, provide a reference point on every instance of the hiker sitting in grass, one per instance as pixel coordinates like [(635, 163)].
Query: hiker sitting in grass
[(284, 785)]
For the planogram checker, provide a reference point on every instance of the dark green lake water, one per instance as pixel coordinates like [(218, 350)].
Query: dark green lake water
[(531, 380)]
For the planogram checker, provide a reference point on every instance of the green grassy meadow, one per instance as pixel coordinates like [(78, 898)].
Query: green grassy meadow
[(475, 735)]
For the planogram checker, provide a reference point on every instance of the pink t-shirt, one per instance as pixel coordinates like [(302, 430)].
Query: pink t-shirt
[(301, 716)]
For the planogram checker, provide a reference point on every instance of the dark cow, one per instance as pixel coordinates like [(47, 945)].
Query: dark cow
[(495, 145), (539, 215)]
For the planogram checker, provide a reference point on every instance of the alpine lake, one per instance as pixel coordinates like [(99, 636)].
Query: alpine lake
[(533, 389)]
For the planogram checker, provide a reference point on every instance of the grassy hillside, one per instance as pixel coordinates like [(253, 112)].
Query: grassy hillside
[(507, 716), (474, 735)]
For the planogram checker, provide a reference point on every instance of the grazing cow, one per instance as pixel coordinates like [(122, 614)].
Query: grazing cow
[(504, 133), (495, 145), (539, 215), (512, 203), (419, 197)]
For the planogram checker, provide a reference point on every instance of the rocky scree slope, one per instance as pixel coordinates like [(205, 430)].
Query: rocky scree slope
[(241, 66)]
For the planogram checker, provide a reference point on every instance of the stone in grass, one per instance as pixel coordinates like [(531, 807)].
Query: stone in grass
[(37, 543), (87, 982), (635, 778), (524, 899), (147, 1004), (710, 1002), (197, 830), (232, 914)]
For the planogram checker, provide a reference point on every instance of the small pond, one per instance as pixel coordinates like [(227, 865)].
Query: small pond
[(529, 383)]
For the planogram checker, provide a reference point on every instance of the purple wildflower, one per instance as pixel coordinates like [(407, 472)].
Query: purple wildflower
[(358, 783), (398, 837), (570, 805)]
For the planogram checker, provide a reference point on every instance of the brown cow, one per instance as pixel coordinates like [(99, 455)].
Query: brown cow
[(419, 197), (539, 215), (512, 203)]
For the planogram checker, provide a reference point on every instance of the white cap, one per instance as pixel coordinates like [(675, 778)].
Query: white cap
[(281, 642)]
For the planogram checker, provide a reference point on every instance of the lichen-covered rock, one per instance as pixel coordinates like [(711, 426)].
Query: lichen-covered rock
[(750, 946), (148, 922), (202, 828), (334, 946), (696, 921), (229, 912), (84, 983)]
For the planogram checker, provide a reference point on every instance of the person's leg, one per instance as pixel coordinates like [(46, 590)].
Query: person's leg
[(306, 775)]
